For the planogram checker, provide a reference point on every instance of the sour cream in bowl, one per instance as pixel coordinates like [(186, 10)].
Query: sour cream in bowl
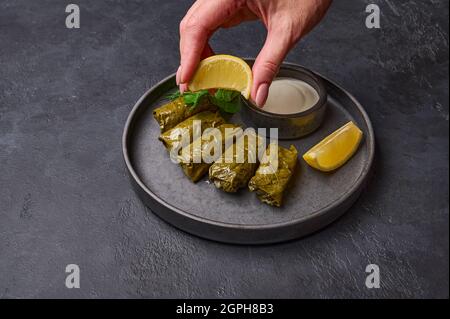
[(290, 96)]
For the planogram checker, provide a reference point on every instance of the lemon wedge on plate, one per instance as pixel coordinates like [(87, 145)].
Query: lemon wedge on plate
[(336, 149), (223, 72)]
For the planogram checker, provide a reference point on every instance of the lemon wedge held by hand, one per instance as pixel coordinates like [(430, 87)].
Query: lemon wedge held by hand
[(223, 72), (336, 149)]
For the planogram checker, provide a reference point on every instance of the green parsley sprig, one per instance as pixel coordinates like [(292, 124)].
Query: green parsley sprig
[(226, 100)]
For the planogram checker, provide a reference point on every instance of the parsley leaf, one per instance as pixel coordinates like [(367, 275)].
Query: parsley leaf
[(194, 98), (173, 96), (226, 100), (226, 95)]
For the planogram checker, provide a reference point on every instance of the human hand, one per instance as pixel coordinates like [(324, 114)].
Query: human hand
[(287, 21)]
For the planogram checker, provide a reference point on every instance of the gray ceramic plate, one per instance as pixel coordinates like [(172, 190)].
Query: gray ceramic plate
[(314, 200)]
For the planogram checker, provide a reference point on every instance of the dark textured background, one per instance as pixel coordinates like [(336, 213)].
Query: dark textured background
[(64, 194)]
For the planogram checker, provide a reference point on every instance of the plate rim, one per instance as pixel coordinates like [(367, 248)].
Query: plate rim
[(319, 213)]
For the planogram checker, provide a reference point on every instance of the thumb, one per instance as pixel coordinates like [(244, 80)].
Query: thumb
[(207, 52), (267, 64)]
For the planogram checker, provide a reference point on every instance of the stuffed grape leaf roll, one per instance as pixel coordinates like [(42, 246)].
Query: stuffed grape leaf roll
[(184, 133), (237, 165), (273, 174), (171, 114), (196, 158)]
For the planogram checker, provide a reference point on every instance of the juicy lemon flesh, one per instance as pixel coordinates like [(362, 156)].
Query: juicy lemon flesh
[(336, 149), (222, 72)]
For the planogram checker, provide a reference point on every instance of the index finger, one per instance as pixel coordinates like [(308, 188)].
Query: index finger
[(201, 21)]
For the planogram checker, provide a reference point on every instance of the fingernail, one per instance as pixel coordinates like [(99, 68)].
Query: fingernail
[(183, 87), (178, 75), (261, 94)]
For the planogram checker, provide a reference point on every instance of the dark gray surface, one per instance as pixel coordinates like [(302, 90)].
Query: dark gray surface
[(65, 197)]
